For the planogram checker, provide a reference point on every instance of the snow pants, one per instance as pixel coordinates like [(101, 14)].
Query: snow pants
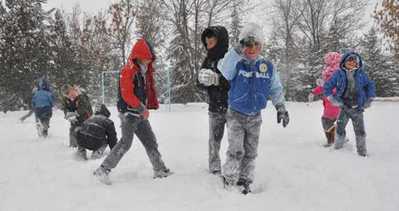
[(141, 127), (217, 122), (358, 125), (43, 115), (243, 137)]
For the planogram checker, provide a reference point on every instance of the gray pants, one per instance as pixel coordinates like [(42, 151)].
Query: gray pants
[(142, 128), (243, 138), (216, 131), (358, 125)]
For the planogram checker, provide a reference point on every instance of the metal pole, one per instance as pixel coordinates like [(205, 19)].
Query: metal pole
[(102, 87)]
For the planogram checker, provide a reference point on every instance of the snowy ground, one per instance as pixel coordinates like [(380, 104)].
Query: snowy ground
[(293, 171)]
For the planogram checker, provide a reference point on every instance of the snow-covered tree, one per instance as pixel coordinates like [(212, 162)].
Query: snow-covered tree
[(24, 46), (379, 67)]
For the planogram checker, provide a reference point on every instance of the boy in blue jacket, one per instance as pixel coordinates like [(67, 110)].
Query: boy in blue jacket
[(253, 80), (354, 93), (42, 105)]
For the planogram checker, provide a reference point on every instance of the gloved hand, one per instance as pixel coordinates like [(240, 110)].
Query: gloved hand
[(282, 115), (72, 117), (334, 101), (140, 112), (208, 77), (310, 97), (367, 104)]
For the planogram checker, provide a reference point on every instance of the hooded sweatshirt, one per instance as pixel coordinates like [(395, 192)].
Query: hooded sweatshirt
[(217, 94)]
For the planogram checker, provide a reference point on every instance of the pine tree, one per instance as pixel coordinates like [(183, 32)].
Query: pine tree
[(25, 49)]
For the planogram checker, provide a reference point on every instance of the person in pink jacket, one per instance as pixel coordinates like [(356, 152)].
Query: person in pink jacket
[(330, 112)]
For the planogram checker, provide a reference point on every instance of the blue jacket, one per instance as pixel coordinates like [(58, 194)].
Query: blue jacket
[(252, 83), (365, 88), (43, 97)]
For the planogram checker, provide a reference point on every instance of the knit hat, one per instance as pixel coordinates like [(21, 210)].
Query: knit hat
[(251, 32)]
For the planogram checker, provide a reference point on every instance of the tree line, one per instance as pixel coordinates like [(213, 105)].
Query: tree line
[(77, 47)]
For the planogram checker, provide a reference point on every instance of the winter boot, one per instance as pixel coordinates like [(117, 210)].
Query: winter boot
[(102, 175), (162, 173), (244, 184), (330, 135), (98, 153)]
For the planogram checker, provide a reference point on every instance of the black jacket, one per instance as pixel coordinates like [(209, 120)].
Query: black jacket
[(97, 131), (217, 94)]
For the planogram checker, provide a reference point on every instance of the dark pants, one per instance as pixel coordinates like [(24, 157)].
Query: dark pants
[(133, 125), (358, 125), (90, 142), (43, 115), (217, 121)]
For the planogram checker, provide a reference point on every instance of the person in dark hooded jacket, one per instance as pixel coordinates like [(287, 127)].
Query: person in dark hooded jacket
[(216, 42), (42, 105), (97, 132)]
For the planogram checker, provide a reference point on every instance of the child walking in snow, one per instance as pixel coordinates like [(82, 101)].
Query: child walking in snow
[(330, 112), (253, 80), (77, 108), (42, 105), (136, 95), (354, 93), (216, 41)]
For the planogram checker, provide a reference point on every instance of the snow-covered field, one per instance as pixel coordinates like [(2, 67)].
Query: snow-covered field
[(294, 172)]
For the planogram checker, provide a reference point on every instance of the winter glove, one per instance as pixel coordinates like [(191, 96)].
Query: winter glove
[(368, 102), (207, 77), (282, 115), (334, 101), (310, 97), (72, 117), (140, 112)]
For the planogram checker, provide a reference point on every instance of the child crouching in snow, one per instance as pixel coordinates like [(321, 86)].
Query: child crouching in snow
[(253, 80), (354, 93), (330, 112)]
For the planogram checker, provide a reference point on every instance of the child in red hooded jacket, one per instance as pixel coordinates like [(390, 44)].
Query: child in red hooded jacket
[(330, 112), (136, 96)]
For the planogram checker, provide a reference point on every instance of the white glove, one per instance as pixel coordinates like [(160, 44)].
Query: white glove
[(72, 117), (310, 97), (207, 77)]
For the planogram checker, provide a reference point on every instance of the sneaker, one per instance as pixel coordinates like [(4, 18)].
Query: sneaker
[(162, 173), (102, 175)]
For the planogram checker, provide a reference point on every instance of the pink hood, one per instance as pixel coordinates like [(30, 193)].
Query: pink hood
[(331, 60)]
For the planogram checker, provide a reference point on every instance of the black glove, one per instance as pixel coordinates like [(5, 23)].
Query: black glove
[(282, 114)]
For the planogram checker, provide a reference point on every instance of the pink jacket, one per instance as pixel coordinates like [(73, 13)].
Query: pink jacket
[(332, 61)]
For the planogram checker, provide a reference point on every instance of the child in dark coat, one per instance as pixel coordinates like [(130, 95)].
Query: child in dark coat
[(216, 41)]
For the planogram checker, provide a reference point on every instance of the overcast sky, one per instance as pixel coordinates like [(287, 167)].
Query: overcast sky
[(259, 16), (91, 6)]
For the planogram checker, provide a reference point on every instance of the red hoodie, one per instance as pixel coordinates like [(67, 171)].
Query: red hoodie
[(141, 50)]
